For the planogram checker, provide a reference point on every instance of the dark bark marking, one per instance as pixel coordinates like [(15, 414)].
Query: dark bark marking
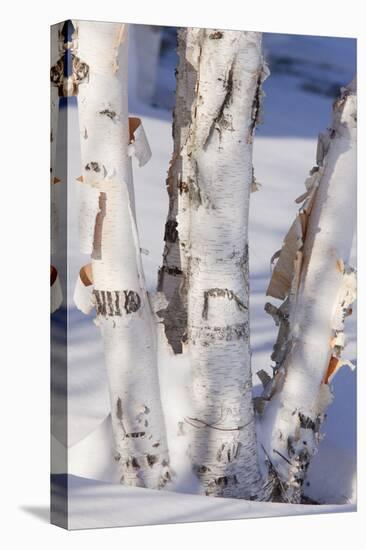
[(174, 271), (220, 293), (131, 462), (79, 73), (110, 302), (239, 331), (164, 479), (135, 435), (104, 304), (183, 187), (197, 423), (200, 469), (171, 233), (224, 481), (195, 194), (237, 450), (110, 114), (220, 119), (98, 228), (256, 105), (308, 424), (282, 456), (99, 303), (119, 414), (218, 484), (92, 166), (217, 35), (132, 301), (151, 460), (118, 311)]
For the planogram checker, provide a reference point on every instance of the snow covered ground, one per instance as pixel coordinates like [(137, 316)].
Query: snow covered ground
[(284, 153), (94, 504)]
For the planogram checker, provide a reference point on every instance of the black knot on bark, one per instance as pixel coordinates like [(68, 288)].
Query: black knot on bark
[(132, 301), (171, 233)]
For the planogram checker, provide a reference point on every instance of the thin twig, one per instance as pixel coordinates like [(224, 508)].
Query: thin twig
[(281, 455), (189, 420)]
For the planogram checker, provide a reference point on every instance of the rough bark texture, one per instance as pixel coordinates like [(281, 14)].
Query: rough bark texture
[(318, 287), (108, 233), (210, 181), (172, 274)]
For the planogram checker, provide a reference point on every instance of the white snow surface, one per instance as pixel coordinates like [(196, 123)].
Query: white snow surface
[(94, 504), (96, 499)]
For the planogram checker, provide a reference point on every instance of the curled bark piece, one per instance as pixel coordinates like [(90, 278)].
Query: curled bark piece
[(83, 293), (287, 267), (56, 290), (139, 145), (318, 288)]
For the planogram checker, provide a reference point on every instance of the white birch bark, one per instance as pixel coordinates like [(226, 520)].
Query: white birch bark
[(218, 175), (318, 287), (108, 232)]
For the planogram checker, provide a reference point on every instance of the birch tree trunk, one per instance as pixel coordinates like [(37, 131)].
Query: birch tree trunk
[(215, 175), (318, 287), (172, 277), (115, 278)]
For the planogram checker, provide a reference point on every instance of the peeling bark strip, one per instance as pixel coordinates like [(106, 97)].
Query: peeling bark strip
[(56, 290), (98, 227), (216, 162), (318, 288), (108, 232)]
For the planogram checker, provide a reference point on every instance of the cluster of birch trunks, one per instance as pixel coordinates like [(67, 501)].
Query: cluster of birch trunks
[(202, 296)]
